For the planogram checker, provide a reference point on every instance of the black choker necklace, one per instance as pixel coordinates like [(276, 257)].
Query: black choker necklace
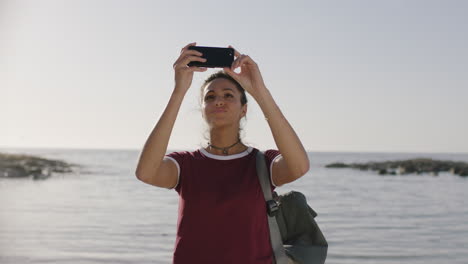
[(225, 150)]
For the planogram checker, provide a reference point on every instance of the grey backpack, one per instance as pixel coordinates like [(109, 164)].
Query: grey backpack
[(294, 235)]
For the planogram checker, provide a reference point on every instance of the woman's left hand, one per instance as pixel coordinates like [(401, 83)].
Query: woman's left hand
[(250, 77)]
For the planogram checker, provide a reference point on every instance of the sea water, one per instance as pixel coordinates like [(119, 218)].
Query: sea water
[(103, 214)]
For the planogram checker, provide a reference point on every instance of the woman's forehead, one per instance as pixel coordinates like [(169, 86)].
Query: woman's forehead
[(220, 84)]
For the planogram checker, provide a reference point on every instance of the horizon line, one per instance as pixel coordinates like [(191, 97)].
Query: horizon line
[(179, 149)]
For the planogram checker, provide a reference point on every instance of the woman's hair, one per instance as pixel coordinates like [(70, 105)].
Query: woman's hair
[(223, 74)]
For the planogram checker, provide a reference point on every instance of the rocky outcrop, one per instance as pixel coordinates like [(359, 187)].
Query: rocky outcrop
[(17, 165), (415, 166)]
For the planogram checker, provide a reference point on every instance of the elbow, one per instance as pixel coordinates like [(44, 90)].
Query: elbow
[(302, 169), (139, 175), (140, 172), (306, 168), (143, 177)]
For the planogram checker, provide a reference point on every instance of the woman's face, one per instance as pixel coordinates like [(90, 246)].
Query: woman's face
[(222, 103)]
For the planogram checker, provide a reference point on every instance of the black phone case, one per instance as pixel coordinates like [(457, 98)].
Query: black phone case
[(215, 57)]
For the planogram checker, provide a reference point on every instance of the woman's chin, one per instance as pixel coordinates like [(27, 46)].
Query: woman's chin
[(219, 123)]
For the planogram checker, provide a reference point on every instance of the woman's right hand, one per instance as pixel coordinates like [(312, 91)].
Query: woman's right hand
[(184, 73)]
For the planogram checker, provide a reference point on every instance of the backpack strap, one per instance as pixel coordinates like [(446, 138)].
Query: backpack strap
[(275, 235)]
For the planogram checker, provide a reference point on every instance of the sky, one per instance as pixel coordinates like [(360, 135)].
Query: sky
[(370, 76)]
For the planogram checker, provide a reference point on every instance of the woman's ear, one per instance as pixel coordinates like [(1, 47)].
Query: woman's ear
[(244, 110), (200, 108)]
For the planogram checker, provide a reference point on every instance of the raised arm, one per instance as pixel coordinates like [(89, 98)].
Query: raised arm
[(153, 168), (294, 162)]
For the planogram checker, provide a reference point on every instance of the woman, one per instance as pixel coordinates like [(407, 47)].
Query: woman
[(222, 215)]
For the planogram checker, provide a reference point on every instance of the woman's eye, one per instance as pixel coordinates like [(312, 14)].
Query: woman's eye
[(212, 97)]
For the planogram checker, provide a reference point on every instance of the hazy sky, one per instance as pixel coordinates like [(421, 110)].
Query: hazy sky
[(348, 75)]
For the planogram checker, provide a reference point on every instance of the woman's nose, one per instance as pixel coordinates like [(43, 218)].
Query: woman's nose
[(219, 102)]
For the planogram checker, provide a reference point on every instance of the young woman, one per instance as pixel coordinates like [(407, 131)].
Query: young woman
[(222, 212)]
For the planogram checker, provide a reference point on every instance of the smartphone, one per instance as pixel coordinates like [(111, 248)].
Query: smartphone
[(215, 57)]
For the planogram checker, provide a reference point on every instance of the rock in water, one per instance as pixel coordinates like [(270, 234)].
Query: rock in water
[(18, 165), (415, 166)]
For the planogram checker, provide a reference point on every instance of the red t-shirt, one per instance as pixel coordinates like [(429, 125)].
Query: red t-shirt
[(222, 211)]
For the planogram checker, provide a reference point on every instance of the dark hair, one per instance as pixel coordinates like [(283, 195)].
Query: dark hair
[(224, 75)]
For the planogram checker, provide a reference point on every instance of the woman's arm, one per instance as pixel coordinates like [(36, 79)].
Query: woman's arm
[(152, 167), (294, 162)]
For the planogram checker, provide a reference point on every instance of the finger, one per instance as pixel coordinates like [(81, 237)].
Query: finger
[(184, 61), (236, 53), (197, 69), (244, 59), (188, 59), (191, 52), (239, 61), (228, 71), (188, 45), (234, 63), (231, 73)]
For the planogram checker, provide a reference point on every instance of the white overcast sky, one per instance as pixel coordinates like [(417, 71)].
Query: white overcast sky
[(348, 75)]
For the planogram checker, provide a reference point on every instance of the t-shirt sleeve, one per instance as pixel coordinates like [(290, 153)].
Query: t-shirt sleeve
[(180, 159), (270, 156)]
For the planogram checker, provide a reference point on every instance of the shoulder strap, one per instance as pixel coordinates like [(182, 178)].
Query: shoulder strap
[(275, 235)]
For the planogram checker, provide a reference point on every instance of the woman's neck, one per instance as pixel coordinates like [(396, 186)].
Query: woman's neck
[(239, 148), (225, 142)]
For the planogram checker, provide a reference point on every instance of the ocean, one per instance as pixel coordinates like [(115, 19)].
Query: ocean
[(103, 214)]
